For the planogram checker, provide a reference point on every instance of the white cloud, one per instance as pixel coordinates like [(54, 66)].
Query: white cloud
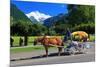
[(38, 15)]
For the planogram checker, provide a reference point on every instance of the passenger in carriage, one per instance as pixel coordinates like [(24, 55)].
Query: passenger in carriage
[(67, 36)]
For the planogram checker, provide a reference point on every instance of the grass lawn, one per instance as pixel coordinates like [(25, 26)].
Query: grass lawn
[(16, 40), (27, 49), (92, 37)]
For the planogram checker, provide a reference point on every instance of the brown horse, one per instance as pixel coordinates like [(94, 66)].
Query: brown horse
[(48, 41)]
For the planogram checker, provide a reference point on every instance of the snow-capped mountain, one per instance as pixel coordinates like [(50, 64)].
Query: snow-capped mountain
[(37, 16)]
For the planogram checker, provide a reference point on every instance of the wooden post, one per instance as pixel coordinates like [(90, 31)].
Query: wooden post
[(25, 40), (20, 42), (11, 42)]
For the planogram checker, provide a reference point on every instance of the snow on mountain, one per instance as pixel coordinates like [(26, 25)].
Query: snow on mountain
[(37, 16)]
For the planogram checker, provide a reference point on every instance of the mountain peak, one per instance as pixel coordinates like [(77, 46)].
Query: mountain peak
[(37, 16)]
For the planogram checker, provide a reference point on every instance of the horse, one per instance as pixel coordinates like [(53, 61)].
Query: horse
[(47, 42)]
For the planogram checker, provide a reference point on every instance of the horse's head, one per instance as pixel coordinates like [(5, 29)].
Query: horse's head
[(37, 40)]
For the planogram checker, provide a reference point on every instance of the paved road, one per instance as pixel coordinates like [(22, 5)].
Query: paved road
[(36, 58)]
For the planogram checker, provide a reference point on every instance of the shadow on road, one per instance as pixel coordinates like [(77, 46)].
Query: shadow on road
[(44, 56)]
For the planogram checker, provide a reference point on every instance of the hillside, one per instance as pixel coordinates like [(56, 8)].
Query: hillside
[(56, 20), (17, 15)]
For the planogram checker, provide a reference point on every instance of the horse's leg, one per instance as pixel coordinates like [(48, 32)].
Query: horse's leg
[(46, 50), (59, 50)]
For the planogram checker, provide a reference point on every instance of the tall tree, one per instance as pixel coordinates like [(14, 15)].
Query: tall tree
[(81, 14)]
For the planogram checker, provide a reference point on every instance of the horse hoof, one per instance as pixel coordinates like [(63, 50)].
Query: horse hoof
[(59, 55), (46, 55)]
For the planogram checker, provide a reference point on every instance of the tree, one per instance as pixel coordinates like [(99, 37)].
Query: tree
[(21, 29), (81, 14), (89, 28)]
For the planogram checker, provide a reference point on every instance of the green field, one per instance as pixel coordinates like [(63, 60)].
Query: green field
[(27, 49), (92, 38), (16, 40)]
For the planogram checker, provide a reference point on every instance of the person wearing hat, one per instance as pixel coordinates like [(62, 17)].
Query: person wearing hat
[(67, 36)]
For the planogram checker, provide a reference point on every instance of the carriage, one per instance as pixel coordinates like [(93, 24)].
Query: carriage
[(75, 47)]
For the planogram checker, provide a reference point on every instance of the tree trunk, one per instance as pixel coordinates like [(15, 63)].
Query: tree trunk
[(11, 42), (25, 40), (20, 42)]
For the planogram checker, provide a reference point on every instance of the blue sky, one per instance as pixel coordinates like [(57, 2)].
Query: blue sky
[(51, 9)]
